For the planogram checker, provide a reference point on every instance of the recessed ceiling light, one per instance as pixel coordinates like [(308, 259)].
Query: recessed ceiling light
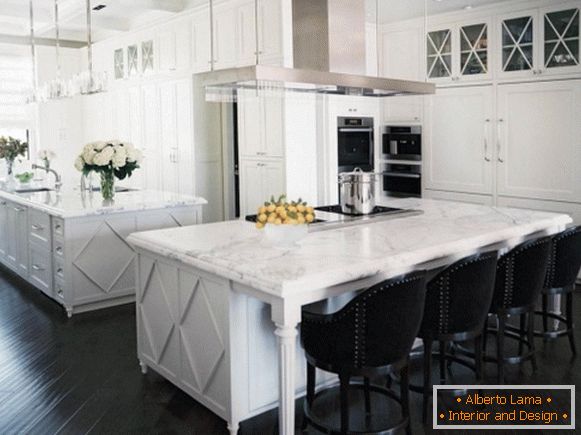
[(99, 7), (468, 7)]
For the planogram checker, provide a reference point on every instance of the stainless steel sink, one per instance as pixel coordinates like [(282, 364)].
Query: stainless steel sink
[(33, 189)]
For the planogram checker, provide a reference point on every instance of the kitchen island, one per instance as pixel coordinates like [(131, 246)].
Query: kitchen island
[(72, 246), (217, 306)]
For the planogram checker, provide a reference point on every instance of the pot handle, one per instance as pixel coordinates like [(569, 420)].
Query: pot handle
[(357, 170)]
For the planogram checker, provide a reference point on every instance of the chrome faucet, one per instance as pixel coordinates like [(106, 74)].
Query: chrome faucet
[(57, 178)]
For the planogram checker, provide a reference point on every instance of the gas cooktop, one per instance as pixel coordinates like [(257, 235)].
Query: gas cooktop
[(377, 210)]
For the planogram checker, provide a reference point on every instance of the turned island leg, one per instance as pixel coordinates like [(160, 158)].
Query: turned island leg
[(286, 337)]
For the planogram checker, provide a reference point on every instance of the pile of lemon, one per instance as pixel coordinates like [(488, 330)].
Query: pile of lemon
[(281, 212)]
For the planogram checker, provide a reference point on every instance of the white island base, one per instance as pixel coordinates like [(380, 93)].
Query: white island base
[(216, 308)]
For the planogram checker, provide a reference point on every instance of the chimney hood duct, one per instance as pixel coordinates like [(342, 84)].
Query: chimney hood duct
[(329, 56)]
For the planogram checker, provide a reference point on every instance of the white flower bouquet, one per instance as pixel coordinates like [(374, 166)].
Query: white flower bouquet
[(110, 159)]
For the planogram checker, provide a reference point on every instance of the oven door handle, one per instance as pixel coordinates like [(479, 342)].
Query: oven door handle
[(401, 174), (355, 130)]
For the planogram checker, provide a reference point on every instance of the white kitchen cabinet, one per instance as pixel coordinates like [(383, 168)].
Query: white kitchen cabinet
[(459, 52), (175, 46), (151, 144), (167, 49), (16, 246), (401, 59), (261, 125), (538, 42), (247, 37), (201, 41), (270, 32), (259, 180), (3, 229), (458, 134), (225, 36), (169, 145), (539, 140)]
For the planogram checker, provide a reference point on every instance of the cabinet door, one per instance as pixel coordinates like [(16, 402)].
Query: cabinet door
[(151, 145), (270, 49), (201, 56), (273, 125), (517, 45), (559, 48), (247, 37), (225, 37), (12, 235), (183, 49), (3, 229), (185, 144), (21, 239), (250, 124), (474, 51), (169, 136), (167, 49), (539, 140), (458, 139), (439, 49), (273, 179), (251, 182), (401, 59)]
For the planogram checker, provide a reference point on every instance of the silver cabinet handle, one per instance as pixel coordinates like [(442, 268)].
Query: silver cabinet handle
[(37, 267), (36, 227), (499, 143), (59, 249), (59, 271), (486, 124), (57, 227), (260, 153)]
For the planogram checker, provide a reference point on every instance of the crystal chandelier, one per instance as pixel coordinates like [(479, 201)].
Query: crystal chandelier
[(33, 95)]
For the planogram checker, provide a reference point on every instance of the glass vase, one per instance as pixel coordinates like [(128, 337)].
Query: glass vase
[(107, 185), (10, 181)]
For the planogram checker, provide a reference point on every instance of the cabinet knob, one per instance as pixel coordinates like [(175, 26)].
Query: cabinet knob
[(37, 227), (37, 267)]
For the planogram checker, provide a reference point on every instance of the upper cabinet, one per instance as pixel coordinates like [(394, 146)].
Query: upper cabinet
[(225, 36), (539, 41), (270, 50), (458, 52)]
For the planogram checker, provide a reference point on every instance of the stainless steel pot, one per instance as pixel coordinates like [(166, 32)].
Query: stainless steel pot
[(357, 191)]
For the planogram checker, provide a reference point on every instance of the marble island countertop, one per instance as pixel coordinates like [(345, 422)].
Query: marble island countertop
[(238, 251), (73, 203)]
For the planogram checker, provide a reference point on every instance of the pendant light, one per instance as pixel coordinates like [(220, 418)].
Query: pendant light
[(32, 98), (90, 82)]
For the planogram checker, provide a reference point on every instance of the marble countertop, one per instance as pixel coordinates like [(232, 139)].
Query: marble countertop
[(72, 203), (238, 251)]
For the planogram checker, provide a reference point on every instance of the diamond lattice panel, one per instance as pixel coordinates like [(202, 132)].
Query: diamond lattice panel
[(104, 258), (156, 314), (201, 339)]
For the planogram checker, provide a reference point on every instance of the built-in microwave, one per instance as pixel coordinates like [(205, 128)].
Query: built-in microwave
[(402, 142)]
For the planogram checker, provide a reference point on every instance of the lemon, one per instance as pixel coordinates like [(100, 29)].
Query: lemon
[(300, 208), (262, 210), (309, 218), (283, 214), (271, 208), (310, 210), (271, 218), (259, 225), (301, 219), (277, 221), (292, 209), (262, 217)]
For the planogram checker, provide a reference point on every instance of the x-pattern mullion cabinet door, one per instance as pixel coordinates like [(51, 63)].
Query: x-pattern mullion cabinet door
[(559, 50), (517, 44), (440, 47), (474, 61)]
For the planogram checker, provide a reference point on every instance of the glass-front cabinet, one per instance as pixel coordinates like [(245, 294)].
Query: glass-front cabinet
[(458, 53), (539, 41)]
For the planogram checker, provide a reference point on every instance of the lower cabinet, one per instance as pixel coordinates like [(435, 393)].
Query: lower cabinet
[(16, 238), (259, 180), (41, 268)]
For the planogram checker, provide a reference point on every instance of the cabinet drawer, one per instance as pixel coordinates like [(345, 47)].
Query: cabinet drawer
[(59, 269), (58, 227), (39, 224), (40, 268)]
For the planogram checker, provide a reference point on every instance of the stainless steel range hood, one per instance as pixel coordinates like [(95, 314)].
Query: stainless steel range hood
[(328, 56)]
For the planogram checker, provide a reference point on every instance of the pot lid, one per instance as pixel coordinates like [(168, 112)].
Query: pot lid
[(357, 176)]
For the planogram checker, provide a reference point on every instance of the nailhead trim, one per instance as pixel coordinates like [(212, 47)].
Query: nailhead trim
[(552, 267)]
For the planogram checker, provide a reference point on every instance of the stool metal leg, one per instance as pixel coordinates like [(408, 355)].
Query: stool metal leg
[(367, 396), (570, 324), (405, 397), (443, 346), (478, 349), (427, 378), (545, 308), (500, 347), (344, 381), (531, 338)]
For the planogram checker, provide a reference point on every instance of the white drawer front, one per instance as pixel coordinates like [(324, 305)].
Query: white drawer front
[(40, 269), (39, 224)]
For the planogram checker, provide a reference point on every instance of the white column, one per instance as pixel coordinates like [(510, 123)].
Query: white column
[(286, 335)]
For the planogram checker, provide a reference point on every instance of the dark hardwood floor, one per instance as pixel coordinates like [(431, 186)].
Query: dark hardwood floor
[(81, 375)]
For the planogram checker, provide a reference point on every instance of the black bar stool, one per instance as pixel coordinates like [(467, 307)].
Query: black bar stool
[(457, 302), (520, 275), (372, 335), (562, 272)]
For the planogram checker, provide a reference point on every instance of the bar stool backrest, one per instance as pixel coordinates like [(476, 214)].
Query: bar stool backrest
[(565, 259), (520, 275), (458, 298), (376, 329)]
